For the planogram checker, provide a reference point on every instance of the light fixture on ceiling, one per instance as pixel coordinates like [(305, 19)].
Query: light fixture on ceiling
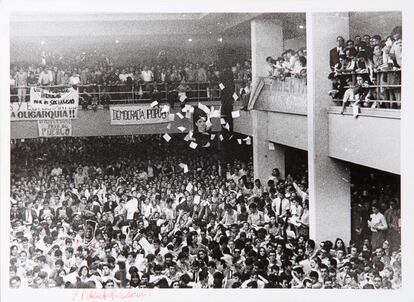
[(190, 40), (117, 41), (220, 39), (42, 42), (301, 26)]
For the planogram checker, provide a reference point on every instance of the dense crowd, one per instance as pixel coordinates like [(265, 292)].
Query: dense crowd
[(377, 63), (290, 64), (139, 212), (137, 81)]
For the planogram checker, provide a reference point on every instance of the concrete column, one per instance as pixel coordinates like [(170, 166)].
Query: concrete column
[(266, 40), (329, 179), (264, 159)]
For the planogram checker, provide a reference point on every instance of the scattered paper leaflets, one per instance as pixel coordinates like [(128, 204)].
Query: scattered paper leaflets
[(165, 109), (187, 108), (146, 246), (193, 145), (207, 145), (215, 113), (212, 136), (181, 128), (204, 108), (171, 117), (169, 126), (184, 167), (227, 126), (167, 137), (188, 114), (271, 146), (180, 115), (235, 114), (188, 136), (197, 199), (221, 137), (221, 86), (222, 121), (182, 97), (208, 123), (235, 96), (248, 140), (189, 187), (239, 141), (153, 104)]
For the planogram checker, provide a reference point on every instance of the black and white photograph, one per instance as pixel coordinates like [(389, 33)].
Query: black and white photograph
[(202, 149)]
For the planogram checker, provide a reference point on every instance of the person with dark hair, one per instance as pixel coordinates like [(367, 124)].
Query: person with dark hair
[(378, 225), (195, 248), (334, 53)]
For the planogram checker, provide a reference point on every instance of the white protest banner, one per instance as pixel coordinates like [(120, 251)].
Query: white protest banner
[(56, 97), (25, 112), (137, 115), (55, 128)]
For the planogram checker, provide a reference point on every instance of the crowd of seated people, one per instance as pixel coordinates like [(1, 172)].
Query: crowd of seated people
[(289, 64), (135, 81), (138, 212), (366, 71)]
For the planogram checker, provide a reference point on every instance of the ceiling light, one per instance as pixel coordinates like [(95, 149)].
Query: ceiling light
[(301, 26), (220, 39), (116, 41), (42, 42), (190, 40)]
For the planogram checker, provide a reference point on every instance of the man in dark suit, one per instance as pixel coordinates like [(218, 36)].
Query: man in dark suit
[(29, 214), (336, 52)]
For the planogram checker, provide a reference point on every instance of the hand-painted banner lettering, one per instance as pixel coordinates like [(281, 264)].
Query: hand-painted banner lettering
[(67, 97), (55, 128), (137, 114), (24, 112)]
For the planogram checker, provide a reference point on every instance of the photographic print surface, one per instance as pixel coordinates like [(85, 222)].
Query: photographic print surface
[(185, 150)]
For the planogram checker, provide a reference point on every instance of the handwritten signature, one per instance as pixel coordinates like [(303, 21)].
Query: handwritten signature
[(108, 294)]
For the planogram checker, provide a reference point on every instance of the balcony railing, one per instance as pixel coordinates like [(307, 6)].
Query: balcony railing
[(385, 90), (94, 94)]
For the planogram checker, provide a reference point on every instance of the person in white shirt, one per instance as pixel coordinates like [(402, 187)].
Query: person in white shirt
[(378, 225), (281, 204), (131, 207), (74, 79), (45, 77), (147, 75)]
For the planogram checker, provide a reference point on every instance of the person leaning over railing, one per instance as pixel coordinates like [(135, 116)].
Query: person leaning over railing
[(360, 93)]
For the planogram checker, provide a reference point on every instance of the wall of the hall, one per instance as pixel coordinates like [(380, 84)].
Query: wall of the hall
[(295, 43), (372, 23), (367, 140)]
